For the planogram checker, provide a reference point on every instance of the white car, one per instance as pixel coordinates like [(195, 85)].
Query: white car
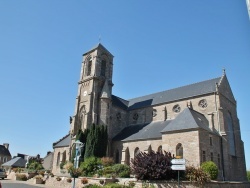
[(3, 173)]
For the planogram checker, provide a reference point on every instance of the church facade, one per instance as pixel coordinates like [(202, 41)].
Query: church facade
[(197, 122)]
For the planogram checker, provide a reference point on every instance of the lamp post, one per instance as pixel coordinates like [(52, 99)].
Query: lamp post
[(79, 145)]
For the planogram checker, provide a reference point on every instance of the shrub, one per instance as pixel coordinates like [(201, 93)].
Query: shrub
[(248, 175), (196, 175), (101, 182), (21, 177), (131, 184), (121, 170), (58, 178), (92, 186), (84, 180), (69, 180), (62, 164), (91, 166), (38, 177), (42, 172), (35, 166), (210, 168), (107, 171), (153, 166), (115, 185), (107, 161)]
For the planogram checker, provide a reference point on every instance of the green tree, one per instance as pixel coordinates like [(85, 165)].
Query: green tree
[(96, 142), (248, 175), (211, 168), (82, 137)]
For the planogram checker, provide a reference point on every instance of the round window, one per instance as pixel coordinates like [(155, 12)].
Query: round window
[(176, 108)]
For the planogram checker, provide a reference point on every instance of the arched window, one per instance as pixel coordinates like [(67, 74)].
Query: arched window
[(89, 65), (179, 151), (58, 159), (231, 138), (127, 157), (64, 156), (103, 68), (149, 149), (159, 149), (117, 156), (82, 116), (137, 151)]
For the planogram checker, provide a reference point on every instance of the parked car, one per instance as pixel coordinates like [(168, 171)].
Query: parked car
[(2, 174)]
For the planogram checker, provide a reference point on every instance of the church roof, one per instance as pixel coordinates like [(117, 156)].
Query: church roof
[(117, 101), (143, 131), (63, 142), (15, 162), (4, 151), (188, 119), (196, 89)]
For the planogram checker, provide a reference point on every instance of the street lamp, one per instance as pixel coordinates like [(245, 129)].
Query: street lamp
[(79, 145)]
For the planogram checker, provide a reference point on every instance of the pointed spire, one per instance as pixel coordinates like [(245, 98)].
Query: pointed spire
[(224, 71), (105, 94)]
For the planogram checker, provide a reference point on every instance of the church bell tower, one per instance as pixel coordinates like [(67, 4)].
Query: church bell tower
[(93, 100)]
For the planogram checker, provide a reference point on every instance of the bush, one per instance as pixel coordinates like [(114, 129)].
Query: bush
[(107, 161), (58, 178), (196, 175), (91, 166), (248, 175), (93, 186), (21, 177), (69, 180), (84, 180), (121, 170), (210, 168), (107, 171), (153, 166), (115, 185), (62, 164), (35, 166)]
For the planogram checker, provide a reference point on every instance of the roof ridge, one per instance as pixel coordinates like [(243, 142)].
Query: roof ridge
[(61, 139), (175, 88), (120, 98), (223, 75)]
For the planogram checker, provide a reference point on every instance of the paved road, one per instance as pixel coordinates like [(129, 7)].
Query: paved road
[(15, 184)]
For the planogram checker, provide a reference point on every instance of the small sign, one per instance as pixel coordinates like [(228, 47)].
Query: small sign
[(178, 161), (178, 167)]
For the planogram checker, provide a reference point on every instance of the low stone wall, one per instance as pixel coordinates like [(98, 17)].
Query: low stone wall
[(186, 184), (52, 182)]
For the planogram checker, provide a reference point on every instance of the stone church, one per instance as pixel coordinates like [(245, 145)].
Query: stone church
[(197, 122)]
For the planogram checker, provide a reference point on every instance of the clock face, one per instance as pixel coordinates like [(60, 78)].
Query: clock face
[(84, 93)]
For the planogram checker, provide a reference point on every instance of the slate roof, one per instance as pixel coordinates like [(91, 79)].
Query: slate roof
[(99, 45), (141, 132), (63, 142), (188, 119), (4, 151), (117, 101), (15, 162), (196, 89)]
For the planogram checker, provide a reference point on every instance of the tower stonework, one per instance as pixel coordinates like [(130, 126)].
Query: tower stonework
[(94, 90)]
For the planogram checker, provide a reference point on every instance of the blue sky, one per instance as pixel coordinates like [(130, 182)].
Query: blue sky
[(158, 45)]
